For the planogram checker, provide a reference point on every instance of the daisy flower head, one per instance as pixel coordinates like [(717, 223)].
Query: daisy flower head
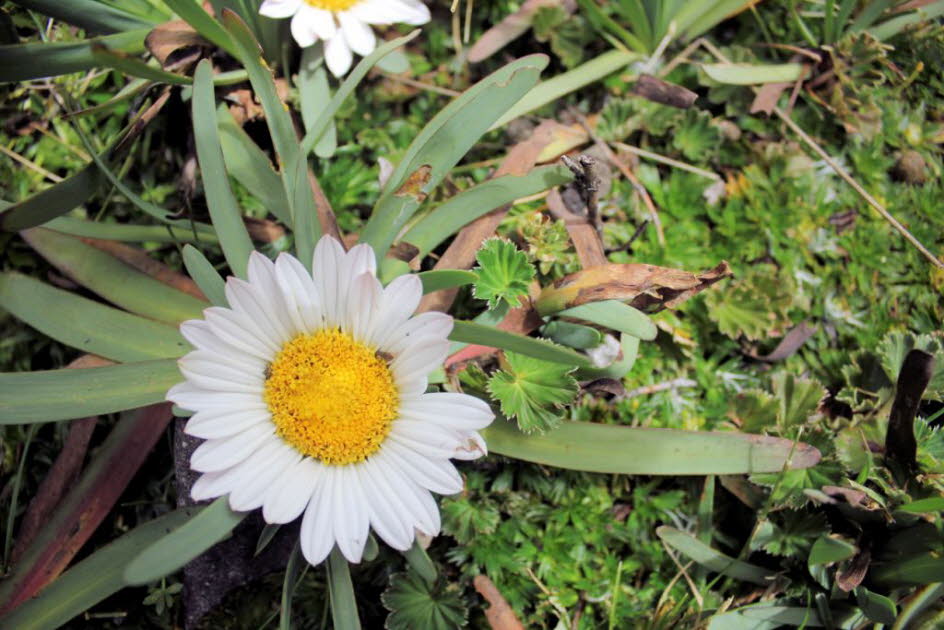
[(310, 393), (343, 25)]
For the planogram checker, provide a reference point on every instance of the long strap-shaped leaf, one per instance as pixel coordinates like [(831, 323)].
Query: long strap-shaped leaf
[(442, 143), (713, 560), (177, 548), (192, 13), (86, 325), (480, 334), (610, 448), (45, 396), (227, 219), (132, 233), (112, 279), (92, 580), (24, 62), (91, 15)]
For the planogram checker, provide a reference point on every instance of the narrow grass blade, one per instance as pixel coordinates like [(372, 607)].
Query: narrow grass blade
[(90, 15), (46, 396), (446, 279), (919, 569), (341, 591), (615, 315), (570, 81), (112, 279), (443, 142), (315, 96), (132, 66), (87, 325), (465, 207), (206, 277), (177, 548), (289, 582), (132, 233), (53, 201), (753, 74), (251, 166), (192, 13), (766, 617), (479, 334), (609, 448), (711, 559), (25, 62), (224, 212), (92, 580)]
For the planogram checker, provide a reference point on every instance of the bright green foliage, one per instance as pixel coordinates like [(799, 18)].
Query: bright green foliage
[(754, 305), (414, 603), (504, 273), (895, 347), (792, 536), (568, 35), (533, 391), (697, 136)]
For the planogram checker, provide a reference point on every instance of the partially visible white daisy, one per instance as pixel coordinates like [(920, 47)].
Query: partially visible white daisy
[(310, 391), (343, 25)]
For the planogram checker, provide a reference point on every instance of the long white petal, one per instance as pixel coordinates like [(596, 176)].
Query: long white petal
[(405, 494), (214, 455), (458, 411), (250, 301), (202, 337), (237, 330), (362, 301), (271, 461), (471, 446), (204, 362), (421, 360), (351, 518), (317, 536), (268, 292), (220, 423), (338, 56), (292, 492), (279, 8), (430, 324), (301, 297), (385, 511), (391, 12), (399, 300), (359, 36), (435, 474), (326, 266), (189, 396)]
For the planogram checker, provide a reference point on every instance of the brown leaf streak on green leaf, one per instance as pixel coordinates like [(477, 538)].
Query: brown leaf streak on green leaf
[(414, 184)]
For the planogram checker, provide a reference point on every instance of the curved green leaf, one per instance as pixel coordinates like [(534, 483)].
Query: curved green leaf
[(480, 334), (610, 448), (341, 592), (177, 548), (90, 15), (54, 201), (443, 142), (206, 277), (25, 62), (87, 325), (93, 579), (112, 279), (753, 74), (445, 279), (616, 315), (193, 14), (132, 66), (132, 233), (766, 617), (27, 397), (468, 205), (711, 559), (224, 212)]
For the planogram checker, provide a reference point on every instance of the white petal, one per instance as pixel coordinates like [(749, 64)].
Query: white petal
[(279, 8), (338, 56), (220, 423), (292, 491), (351, 519), (458, 411), (214, 455), (437, 438), (246, 299), (237, 330), (359, 36), (189, 396), (391, 11), (201, 336), (311, 24), (268, 292), (217, 483), (436, 474), (301, 297), (385, 511), (365, 292), (420, 360), (422, 447), (207, 365), (326, 266), (269, 461), (406, 493), (399, 300), (317, 537), (472, 446), (430, 324)]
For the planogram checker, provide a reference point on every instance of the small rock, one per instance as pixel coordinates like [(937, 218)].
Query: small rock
[(911, 168)]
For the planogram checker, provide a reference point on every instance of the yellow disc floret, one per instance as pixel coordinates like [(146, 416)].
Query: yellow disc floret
[(332, 5), (331, 397)]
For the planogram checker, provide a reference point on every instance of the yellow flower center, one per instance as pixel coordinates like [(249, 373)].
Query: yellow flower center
[(331, 397), (332, 5)]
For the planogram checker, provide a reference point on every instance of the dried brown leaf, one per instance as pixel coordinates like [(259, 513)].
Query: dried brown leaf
[(663, 92), (499, 615), (168, 38)]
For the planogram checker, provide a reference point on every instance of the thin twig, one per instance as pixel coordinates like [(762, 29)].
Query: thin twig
[(683, 571), (628, 174), (29, 164), (655, 157), (421, 85), (561, 611), (587, 185)]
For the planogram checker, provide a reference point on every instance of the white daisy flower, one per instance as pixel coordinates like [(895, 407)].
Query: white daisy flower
[(310, 393), (343, 25)]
